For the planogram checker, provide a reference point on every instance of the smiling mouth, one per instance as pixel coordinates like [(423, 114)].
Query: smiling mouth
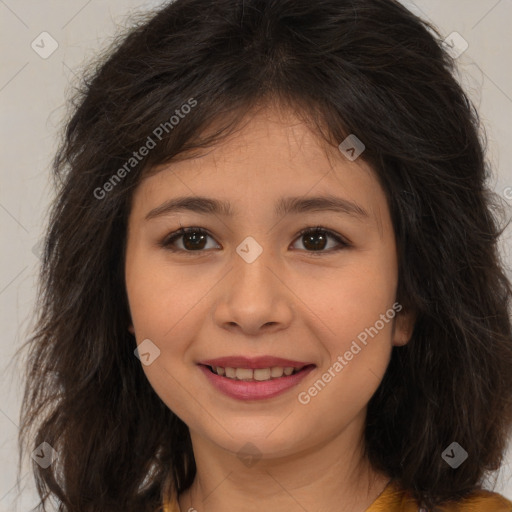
[(256, 374)]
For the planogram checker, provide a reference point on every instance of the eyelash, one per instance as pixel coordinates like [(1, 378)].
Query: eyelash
[(167, 242)]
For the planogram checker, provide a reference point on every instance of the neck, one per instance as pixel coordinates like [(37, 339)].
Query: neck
[(332, 478)]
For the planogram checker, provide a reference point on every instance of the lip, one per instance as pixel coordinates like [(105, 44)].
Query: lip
[(255, 390), (253, 362)]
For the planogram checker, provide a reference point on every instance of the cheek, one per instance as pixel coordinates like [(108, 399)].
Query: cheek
[(355, 296), (357, 317), (166, 305), (358, 346), (160, 295), (363, 298), (166, 318)]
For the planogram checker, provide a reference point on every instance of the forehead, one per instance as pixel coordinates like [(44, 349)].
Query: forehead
[(274, 134), (272, 154)]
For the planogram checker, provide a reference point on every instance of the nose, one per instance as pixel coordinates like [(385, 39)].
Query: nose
[(254, 298)]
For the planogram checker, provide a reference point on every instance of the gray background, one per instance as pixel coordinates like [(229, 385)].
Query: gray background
[(32, 98)]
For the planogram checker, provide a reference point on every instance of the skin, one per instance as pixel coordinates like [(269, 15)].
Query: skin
[(292, 302)]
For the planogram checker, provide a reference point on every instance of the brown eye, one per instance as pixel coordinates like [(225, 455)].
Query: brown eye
[(192, 239), (316, 240)]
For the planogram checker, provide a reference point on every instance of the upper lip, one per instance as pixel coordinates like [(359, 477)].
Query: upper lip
[(253, 362)]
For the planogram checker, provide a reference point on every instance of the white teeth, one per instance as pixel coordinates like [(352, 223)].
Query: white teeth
[(276, 371), (243, 373), (258, 374), (262, 374)]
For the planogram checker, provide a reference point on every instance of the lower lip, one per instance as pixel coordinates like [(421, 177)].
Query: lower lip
[(254, 390)]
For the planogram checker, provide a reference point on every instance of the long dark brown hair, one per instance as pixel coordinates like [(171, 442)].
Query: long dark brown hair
[(364, 67)]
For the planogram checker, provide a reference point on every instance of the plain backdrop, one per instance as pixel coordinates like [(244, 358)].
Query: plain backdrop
[(33, 92)]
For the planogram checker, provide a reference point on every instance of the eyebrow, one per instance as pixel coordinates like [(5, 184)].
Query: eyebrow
[(284, 206)]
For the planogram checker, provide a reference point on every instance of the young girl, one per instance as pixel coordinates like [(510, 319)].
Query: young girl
[(271, 278)]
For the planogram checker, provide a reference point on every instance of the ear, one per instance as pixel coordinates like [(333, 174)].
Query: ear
[(403, 327), (131, 329)]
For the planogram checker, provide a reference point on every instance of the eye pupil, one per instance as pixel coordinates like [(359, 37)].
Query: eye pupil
[(196, 239), (310, 238)]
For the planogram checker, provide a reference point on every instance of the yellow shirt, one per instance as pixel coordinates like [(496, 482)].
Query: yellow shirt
[(395, 499)]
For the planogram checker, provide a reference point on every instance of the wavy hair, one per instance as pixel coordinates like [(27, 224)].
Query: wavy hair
[(364, 67)]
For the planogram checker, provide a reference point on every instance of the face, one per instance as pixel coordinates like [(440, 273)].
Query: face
[(249, 291)]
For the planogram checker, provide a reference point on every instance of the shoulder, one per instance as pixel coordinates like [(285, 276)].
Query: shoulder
[(478, 501), (396, 499)]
